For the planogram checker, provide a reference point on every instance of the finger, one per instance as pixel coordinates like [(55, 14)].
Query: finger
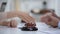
[(29, 17), (25, 18), (32, 20), (13, 23)]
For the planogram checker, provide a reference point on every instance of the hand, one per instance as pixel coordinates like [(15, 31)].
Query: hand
[(23, 15), (45, 18), (54, 21), (50, 20), (11, 23), (26, 17)]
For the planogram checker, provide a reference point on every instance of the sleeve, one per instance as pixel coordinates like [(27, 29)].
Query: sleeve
[(17, 19)]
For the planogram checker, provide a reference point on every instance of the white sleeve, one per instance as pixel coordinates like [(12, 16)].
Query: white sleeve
[(59, 24), (18, 20)]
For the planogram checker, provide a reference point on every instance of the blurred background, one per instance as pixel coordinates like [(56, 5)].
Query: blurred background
[(33, 7)]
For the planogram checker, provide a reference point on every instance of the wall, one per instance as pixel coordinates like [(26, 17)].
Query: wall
[(54, 4), (31, 4), (27, 5), (10, 6), (58, 7)]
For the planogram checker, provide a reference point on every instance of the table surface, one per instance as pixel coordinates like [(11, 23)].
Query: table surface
[(42, 29)]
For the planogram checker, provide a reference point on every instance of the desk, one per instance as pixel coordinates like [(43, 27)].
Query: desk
[(42, 29)]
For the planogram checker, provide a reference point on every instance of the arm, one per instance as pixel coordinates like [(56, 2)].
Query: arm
[(9, 23), (24, 16), (1, 23)]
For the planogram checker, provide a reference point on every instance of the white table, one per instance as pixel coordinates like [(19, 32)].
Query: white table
[(42, 29)]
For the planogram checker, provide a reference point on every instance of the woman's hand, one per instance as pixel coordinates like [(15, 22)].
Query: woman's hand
[(50, 20), (26, 17)]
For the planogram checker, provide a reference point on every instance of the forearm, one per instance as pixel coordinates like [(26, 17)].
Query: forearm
[(3, 23), (10, 15), (14, 14), (24, 16)]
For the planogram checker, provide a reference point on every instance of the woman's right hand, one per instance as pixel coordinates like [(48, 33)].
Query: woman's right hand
[(26, 17)]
